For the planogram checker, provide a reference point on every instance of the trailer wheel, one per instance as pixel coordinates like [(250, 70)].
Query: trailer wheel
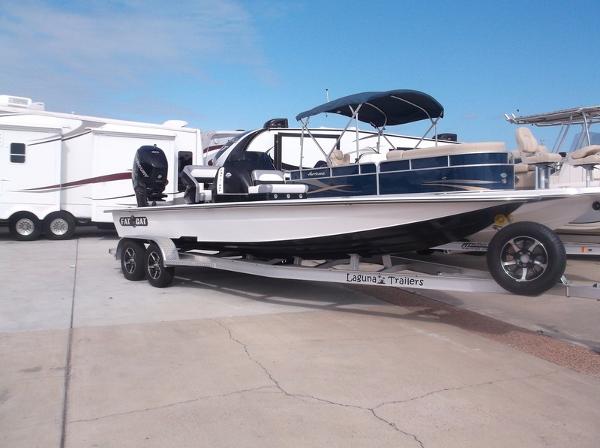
[(59, 226), (526, 258), (25, 226), (156, 273), (132, 260)]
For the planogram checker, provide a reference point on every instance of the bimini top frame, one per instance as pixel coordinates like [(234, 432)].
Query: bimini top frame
[(382, 108), (379, 109), (578, 116)]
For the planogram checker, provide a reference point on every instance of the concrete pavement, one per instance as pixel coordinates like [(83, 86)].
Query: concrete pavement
[(568, 318), (222, 359)]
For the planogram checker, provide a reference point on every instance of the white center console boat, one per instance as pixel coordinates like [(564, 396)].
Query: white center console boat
[(250, 208)]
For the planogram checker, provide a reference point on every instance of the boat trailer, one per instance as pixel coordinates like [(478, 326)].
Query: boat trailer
[(571, 248), (381, 270)]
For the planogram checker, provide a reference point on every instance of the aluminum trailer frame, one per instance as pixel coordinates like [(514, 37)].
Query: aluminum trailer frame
[(571, 248), (385, 270)]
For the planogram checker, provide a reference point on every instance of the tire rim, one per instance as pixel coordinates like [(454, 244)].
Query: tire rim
[(129, 260), (524, 258), (154, 268), (25, 226), (59, 226)]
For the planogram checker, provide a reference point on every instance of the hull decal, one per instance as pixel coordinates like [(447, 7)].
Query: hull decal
[(322, 186)]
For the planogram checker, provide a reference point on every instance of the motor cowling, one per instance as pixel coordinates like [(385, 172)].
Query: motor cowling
[(149, 175)]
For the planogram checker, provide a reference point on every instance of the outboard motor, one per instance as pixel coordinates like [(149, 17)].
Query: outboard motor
[(149, 175)]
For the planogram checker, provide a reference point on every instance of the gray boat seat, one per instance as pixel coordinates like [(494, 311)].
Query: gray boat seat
[(531, 151), (278, 188), (337, 158), (446, 150), (198, 179)]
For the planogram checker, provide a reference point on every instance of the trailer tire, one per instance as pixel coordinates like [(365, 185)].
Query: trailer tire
[(133, 254), (157, 273), (526, 258), (59, 226), (25, 226)]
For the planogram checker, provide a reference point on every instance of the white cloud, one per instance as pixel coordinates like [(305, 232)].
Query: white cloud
[(93, 48)]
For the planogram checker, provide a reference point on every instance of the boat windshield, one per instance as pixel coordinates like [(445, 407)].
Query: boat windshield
[(229, 144)]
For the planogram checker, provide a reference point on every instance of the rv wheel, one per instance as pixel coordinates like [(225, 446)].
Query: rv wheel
[(132, 260), (59, 226), (526, 258), (25, 226), (156, 273)]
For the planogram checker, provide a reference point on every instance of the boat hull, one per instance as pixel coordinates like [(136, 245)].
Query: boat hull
[(315, 227), (395, 239), (552, 214), (331, 227)]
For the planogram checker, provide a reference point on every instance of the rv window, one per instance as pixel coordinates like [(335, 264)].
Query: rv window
[(17, 152), (184, 158)]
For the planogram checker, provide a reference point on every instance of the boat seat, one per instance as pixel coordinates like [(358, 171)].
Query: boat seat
[(593, 159), (524, 174), (200, 172), (587, 158), (278, 189), (372, 158), (446, 150), (196, 178), (588, 155), (273, 182), (267, 177), (337, 158), (531, 151), (521, 168)]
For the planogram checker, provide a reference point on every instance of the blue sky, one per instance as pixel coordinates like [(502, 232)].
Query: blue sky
[(227, 64)]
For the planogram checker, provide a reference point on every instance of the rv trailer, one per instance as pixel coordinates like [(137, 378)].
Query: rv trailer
[(60, 170)]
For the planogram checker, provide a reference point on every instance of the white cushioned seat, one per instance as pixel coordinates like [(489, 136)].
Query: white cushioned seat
[(200, 172), (267, 176), (278, 188)]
